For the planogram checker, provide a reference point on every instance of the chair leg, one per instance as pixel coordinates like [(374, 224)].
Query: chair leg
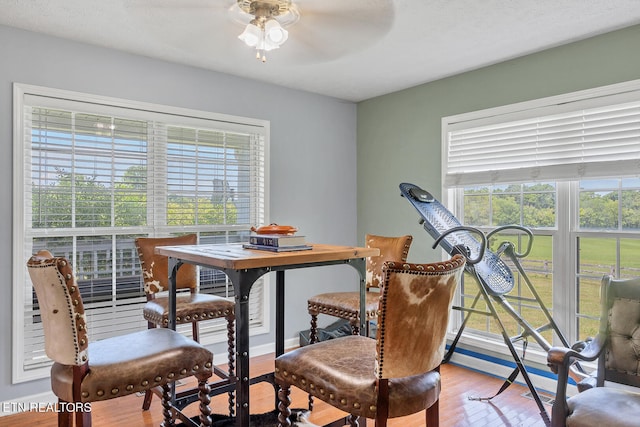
[(283, 406), (231, 350), (83, 418), (65, 418), (313, 331), (313, 338), (433, 415), (166, 407), (146, 403), (355, 327), (195, 331), (148, 395), (310, 403), (205, 410)]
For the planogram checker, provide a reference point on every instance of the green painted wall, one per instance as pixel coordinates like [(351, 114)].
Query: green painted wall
[(399, 135)]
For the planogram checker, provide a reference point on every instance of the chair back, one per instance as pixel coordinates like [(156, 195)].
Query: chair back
[(61, 308), (620, 323), (155, 268), (394, 249), (413, 316)]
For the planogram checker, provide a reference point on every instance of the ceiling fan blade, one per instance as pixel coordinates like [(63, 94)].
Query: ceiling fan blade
[(365, 8), (171, 4), (330, 29)]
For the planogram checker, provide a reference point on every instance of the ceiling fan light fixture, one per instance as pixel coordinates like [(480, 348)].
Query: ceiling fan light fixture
[(265, 32)]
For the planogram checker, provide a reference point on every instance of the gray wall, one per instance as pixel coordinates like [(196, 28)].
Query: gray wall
[(399, 135), (313, 153)]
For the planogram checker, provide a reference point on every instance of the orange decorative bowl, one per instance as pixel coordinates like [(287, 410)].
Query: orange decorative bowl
[(275, 229)]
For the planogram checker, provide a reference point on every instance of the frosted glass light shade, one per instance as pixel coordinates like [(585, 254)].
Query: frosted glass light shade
[(274, 33), (251, 35)]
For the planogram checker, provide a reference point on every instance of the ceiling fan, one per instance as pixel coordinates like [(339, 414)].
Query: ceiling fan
[(314, 30)]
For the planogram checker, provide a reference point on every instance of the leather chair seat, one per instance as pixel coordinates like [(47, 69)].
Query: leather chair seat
[(189, 308), (344, 305), (344, 376), (131, 363), (604, 406)]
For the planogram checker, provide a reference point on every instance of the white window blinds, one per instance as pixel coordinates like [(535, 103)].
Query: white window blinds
[(579, 138), (92, 176)]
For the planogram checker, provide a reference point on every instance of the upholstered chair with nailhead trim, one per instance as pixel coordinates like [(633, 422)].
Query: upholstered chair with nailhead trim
[(616, 348), (346, 305), (396, 374), (191, 306), (85, 372)]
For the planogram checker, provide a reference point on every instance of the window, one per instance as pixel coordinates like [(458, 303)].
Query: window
[(567, 167), (92, 174)]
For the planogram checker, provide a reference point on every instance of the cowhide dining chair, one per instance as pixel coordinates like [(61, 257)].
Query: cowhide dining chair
[(85, 372), (191, 306), (396, 374), (346, 305)]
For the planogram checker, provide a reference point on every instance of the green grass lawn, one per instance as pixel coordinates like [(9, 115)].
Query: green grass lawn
[(597, 258)]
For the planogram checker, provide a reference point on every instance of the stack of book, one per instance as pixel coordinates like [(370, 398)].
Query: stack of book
[(277, 243)]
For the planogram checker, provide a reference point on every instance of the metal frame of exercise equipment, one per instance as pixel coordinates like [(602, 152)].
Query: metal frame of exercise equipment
[(494, 278)]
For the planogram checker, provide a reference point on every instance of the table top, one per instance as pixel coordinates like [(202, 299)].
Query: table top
[(235, 257)]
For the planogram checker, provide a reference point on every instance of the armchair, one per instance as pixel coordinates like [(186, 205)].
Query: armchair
[(617, 350)]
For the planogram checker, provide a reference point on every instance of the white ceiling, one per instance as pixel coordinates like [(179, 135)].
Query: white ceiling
[(349, 49)]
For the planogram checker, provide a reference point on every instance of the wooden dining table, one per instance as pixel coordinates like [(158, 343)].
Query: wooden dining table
[(244, 267)]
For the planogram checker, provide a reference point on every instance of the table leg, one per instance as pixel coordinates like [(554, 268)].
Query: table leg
[(360, 265), (279, 313), (242, 281), (174, 265)]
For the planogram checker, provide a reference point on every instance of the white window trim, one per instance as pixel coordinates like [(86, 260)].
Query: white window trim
[(20, 252), (566, 209)]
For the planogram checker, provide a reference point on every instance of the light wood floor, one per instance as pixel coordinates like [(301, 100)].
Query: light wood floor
[(456, 409)]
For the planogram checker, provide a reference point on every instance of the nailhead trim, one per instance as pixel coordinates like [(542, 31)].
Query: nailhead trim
[(343, 314), (116, 390), (158, 319), (343, 401)]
